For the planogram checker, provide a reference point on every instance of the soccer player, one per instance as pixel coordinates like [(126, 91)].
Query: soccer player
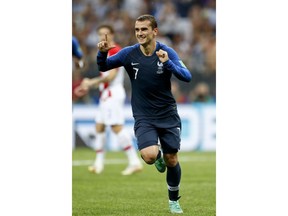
[(150, 65), (111, 109)]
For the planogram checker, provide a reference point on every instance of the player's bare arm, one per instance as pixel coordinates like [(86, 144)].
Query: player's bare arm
[(95, 82), (104, 46), (111, 76), (88, 83), (85, 85)]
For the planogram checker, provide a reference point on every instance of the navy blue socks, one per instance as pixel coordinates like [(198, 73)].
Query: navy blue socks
[(173, 178)]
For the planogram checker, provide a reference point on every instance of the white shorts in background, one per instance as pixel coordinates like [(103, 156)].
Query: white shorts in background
[(111, 109)]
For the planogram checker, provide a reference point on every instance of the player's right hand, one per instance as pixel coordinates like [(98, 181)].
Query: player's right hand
[(104, 46)]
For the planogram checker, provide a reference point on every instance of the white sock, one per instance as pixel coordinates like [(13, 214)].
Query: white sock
[(100, 153), (125, 142)]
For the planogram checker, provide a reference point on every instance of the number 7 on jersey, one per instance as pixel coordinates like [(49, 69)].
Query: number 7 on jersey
[(136, 72)]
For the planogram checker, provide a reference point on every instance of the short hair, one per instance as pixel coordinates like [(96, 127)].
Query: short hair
[(111, 29), (148, 17)]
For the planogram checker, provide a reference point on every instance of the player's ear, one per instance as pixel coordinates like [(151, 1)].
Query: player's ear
[(155, 31)]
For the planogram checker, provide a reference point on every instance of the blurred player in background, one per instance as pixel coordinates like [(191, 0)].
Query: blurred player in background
[(111, 109), (77, 63), (77, 53), (150, 65), (77, 66)]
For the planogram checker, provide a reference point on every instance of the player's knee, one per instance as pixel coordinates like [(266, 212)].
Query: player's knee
[(149, 154), (171, 159), (149, 158)]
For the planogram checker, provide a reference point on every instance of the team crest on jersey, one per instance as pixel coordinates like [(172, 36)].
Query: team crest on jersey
[(160, 67)]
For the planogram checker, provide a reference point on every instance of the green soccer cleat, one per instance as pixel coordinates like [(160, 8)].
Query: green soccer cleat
[(160, 165), (175, 207)]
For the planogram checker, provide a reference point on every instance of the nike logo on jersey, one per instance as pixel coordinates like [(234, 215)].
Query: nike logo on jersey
[(132, 63)]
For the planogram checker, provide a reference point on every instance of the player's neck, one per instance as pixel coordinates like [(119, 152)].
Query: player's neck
[(148, 49)]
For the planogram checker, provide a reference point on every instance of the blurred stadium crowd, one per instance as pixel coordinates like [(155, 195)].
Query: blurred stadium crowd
[(188, 26)]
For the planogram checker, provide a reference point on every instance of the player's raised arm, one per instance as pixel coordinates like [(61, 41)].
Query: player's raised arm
[(109, 63), (103, 62), (172, 62)]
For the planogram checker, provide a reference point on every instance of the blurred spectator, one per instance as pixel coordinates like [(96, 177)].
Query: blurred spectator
[(201, 93), (210, 12), (182, 47), (210, 54), (177, 93), (168, 23), (134, 8), (183, 6), (203, 52)]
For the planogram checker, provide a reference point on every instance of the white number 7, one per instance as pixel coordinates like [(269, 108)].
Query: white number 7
[(136, 72)]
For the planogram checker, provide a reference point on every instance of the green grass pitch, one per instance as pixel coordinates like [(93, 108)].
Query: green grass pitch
[(144, 193)]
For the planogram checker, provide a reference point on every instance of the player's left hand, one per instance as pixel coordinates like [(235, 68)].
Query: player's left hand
[(162, 55)]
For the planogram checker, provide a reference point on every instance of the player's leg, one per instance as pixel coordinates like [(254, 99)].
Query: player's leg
[(98, 165), (173, 177), (170, 141), (125, 141), (147, 139), (153, 155), (149, 153), (160, 163)]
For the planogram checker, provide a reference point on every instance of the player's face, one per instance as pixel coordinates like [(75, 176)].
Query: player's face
[(144, 32), (102, 32)]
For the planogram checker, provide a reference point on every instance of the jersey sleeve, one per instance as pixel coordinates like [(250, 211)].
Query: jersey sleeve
[(114, 61), (176, 66)]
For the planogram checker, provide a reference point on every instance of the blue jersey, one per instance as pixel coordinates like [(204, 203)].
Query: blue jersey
[(76, 49), (150, 79)]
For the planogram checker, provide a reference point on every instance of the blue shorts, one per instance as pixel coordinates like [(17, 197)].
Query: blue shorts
[(167, 130)]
